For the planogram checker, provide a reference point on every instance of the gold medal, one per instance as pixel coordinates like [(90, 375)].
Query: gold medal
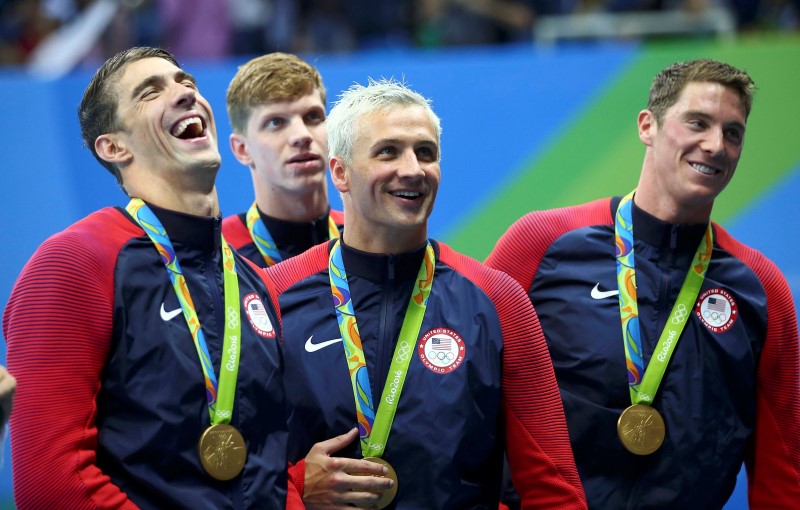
[(641, 429), (222, 451), (386, 495)]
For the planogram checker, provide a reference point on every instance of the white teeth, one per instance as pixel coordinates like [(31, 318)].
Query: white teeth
[(406, 194), (703, 169), (182, 125)]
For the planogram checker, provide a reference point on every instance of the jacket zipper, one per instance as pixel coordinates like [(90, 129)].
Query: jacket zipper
[(384, 339)]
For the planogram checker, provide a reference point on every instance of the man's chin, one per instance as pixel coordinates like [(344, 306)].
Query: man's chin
[(208, 164), (204, 172)]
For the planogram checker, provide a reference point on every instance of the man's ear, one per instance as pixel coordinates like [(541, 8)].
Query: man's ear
[(647, 126), (339, 174), (110, 148), (240, 151)]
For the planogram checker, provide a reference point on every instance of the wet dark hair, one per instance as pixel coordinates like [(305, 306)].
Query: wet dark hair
[(97, 113)]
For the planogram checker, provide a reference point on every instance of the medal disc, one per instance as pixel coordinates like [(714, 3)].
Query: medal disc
[(386, 495), (641, 429), (222, 451)]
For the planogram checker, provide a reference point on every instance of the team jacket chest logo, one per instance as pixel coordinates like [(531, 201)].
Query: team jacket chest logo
[(167, 316), (312, 346), (716, 309), (602, 294), (441, 350), (258, 315)]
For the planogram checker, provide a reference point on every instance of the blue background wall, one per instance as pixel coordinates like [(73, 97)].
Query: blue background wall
[(524, 129)]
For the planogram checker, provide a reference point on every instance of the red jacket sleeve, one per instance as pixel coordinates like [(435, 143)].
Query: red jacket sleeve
[(297, 474), (58, 328), (537, 442), (773, 458), (520, 249)]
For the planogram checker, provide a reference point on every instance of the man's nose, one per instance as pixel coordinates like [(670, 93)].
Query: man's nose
[(185, 96), (300, 135), (409, 165), (714, 142)]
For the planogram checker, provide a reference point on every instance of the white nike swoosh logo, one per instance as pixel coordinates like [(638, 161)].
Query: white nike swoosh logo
[(602, 294), (168, 316), (312, 347)]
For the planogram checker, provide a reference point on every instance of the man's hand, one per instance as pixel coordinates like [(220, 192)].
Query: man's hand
[(7, 386), (339, 482)]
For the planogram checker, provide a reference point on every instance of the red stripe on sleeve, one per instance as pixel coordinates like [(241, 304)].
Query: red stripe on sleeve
[(290, 271), (519, 251), (773, 460), (539, 453), (58, 325)]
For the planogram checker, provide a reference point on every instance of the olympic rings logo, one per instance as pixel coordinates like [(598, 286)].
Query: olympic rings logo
[(233, 317), (223, 414), (680, 314), (441, 356), (716, 317), (403, 352), (376, 446)]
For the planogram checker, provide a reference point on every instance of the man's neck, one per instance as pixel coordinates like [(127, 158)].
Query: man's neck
[(384, 242), (659, 204), (190, 192), (671, 212), (290, 207), (198, 204)]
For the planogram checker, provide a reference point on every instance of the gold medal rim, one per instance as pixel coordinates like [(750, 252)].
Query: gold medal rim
[(388, 495), (232, 469), (644, 450)]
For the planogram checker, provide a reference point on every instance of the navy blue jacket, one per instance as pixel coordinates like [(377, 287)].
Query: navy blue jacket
[(112, 400), (730, 391), (454, 415)]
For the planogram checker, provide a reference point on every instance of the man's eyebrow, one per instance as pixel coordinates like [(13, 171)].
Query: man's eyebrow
[(401, 141), (705, 116), (697, 113), (147, 82), (180, 75), (383, 141)]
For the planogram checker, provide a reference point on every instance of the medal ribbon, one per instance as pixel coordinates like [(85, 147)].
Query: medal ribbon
[(263, 239), (374, 425), (643, 384), (220, 395)]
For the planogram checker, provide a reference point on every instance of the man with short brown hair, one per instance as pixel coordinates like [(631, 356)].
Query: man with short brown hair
[(276, 105), (674, 345)]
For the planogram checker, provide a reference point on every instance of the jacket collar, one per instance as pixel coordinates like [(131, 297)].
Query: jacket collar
[(379, 267), (301, 235), (201, 232)]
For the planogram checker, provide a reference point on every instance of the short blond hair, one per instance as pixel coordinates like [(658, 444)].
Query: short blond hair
[(269, 78), (360, 100)]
